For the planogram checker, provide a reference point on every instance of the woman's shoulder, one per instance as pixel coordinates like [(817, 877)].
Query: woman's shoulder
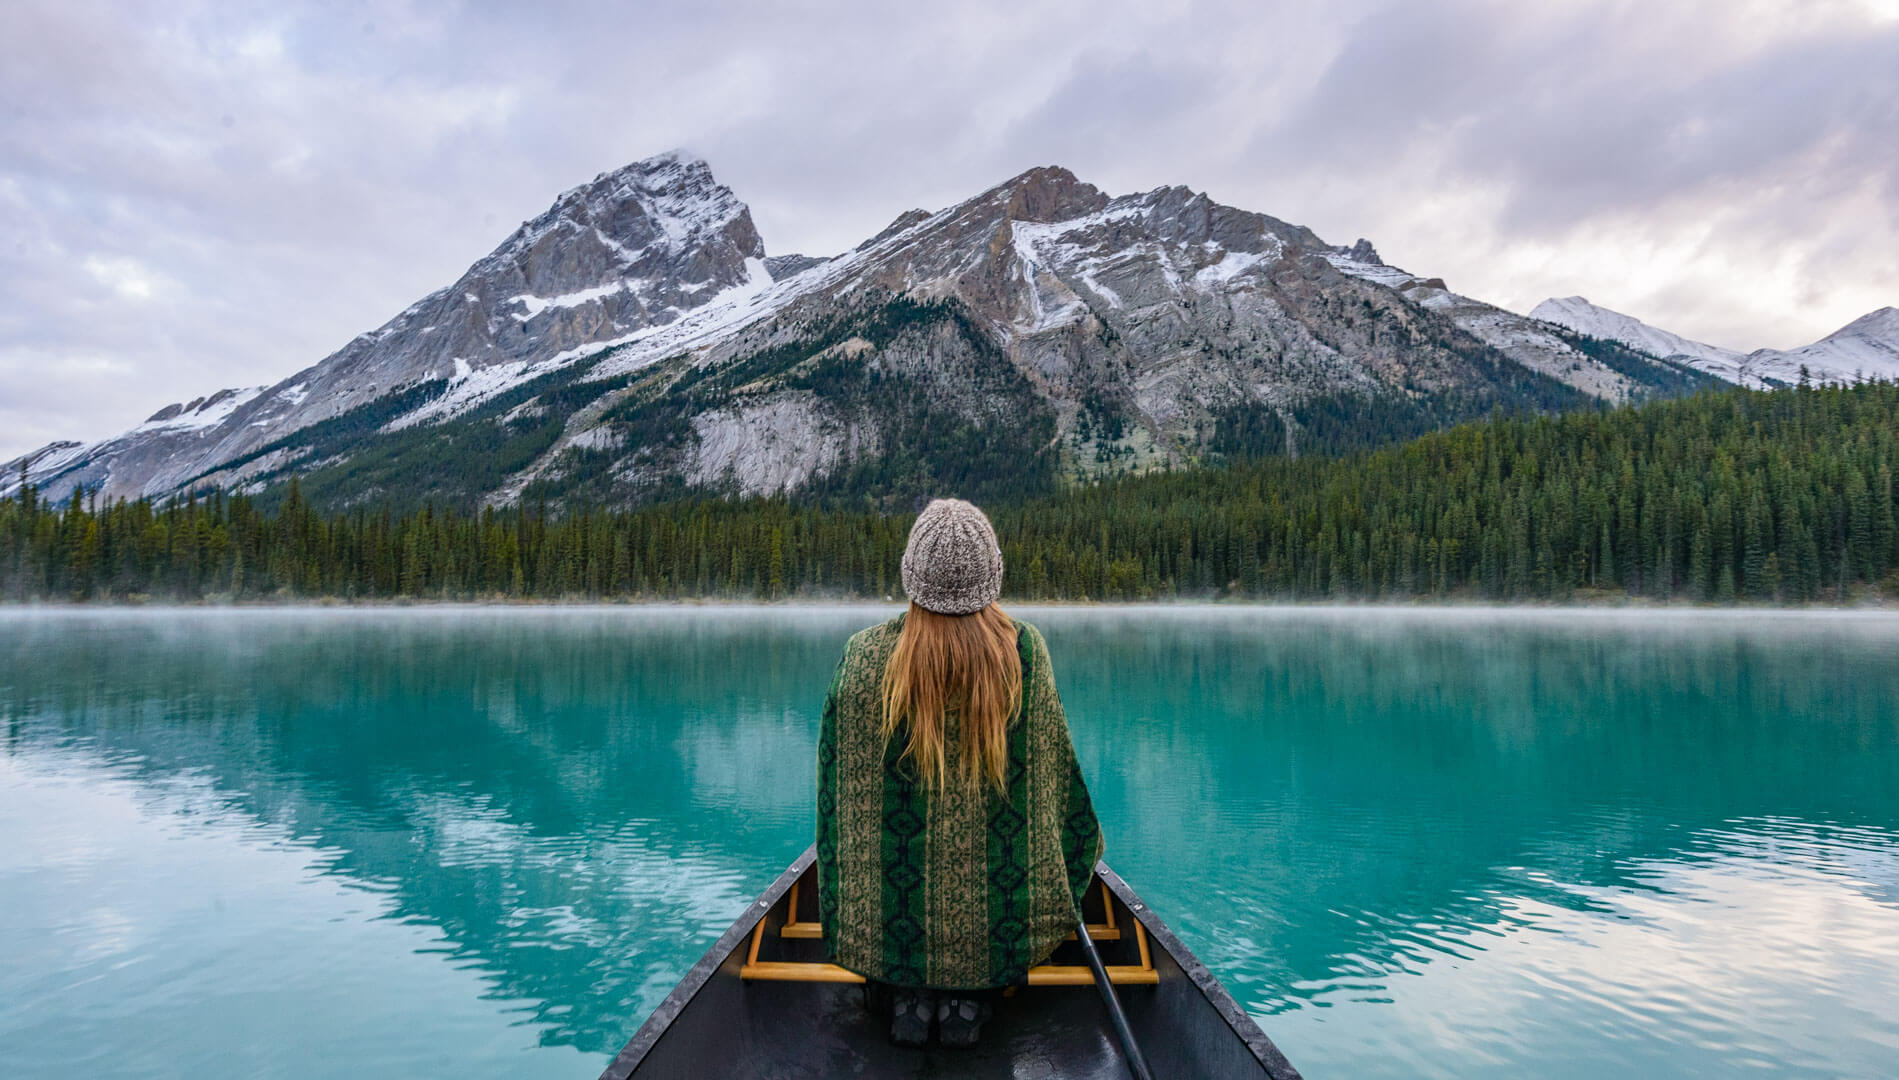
[(884, 634), (865, 654), (1029, 639), (870, 638)]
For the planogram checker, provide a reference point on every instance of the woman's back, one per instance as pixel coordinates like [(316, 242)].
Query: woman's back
[(958, 882)]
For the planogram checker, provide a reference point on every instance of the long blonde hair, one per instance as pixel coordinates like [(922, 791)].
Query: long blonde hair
[(966, 663)]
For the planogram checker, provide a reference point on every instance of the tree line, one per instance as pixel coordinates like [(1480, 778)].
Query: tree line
[(1731, 495)]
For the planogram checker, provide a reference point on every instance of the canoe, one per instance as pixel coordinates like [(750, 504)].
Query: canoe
[(762, 1002)]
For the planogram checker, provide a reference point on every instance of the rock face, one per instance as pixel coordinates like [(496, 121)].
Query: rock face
[(1538, 344), (635, 339), (1868, 347)]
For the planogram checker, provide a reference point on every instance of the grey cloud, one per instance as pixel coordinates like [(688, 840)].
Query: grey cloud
[(1598, 108), (275, 179), (1112, 108)]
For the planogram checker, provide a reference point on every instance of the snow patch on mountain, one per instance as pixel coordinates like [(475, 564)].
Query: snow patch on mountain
[(199, 413), (534, 305), (727, 310), (1375, 272), (1234, 263), (1042, 289)]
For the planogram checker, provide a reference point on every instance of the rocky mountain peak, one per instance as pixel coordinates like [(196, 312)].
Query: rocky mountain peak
[(637, 246), (1577, 313), (1364, 252), (1047, 193), (902, 221), (662, 216), (1880, 325), (1866, 348)]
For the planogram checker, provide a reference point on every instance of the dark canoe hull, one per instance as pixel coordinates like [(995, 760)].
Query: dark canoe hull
[(727, 1018)]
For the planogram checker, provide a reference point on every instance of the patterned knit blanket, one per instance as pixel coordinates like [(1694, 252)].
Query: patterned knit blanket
[(966, 887)]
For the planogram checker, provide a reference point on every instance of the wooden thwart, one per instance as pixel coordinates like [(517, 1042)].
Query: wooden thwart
[(756, 970), (814, 932), (1043, 975), (1106, 931)]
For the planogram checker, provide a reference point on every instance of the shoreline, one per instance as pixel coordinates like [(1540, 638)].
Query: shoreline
[(1635, 607)]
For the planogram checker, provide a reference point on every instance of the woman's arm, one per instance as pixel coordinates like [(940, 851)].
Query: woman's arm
[(827, 799), (1082, 843)]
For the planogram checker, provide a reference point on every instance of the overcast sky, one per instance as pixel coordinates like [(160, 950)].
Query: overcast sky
[(201, 195)]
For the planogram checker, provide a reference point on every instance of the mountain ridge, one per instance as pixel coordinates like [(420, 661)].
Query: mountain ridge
[(1093, 333), (1867, 347)]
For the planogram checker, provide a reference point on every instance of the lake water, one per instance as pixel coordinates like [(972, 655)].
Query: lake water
[(486, 843)]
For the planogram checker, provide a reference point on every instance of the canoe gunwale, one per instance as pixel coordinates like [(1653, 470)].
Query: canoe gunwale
[(1237, 1018)]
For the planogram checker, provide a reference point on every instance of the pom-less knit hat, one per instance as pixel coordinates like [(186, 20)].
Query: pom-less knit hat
[(952, 565)]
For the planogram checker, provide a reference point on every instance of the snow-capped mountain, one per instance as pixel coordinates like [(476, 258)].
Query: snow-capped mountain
[(1868, 347), (635, 249), (636, 338), (1584, 317)]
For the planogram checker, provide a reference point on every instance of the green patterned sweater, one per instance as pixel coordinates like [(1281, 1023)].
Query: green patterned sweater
[(966, 887)]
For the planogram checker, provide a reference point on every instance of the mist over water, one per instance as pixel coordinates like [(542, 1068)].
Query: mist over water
[(1412, 843)]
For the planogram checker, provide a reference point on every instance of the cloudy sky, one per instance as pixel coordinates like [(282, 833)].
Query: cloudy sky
[(203, 195)]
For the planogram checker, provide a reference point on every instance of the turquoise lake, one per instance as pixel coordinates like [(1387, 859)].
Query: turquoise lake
[(485, 842)]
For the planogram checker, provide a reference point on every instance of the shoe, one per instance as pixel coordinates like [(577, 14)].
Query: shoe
[(959, 1020), (910, 1016)]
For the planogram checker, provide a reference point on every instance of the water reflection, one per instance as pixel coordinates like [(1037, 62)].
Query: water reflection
[(1722, 965), (1417, 844), (1338, 809), (572, 804)]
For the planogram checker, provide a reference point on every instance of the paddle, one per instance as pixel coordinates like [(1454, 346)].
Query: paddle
[(1129, 1048)]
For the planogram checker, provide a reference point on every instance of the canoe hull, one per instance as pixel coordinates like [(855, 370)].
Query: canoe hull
[(717, 1022)]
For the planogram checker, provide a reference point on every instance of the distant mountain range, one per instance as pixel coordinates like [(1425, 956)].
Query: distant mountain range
[(1866, 348), (635, 341)]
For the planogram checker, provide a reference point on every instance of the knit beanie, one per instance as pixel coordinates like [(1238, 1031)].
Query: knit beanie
[(952, 564)]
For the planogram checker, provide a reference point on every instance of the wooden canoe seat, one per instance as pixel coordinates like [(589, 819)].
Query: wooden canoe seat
[(793, 928), (756, 970)]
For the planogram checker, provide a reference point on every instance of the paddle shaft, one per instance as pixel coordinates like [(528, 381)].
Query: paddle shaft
[(1129, 1048)]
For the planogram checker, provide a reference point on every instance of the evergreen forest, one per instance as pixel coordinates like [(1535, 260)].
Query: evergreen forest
[(1782, 496)]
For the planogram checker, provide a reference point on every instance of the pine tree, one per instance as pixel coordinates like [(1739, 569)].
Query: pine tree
[(777, 587), (1754, 554)]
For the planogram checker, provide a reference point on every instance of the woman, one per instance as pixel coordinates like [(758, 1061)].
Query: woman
[(955, 835)]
